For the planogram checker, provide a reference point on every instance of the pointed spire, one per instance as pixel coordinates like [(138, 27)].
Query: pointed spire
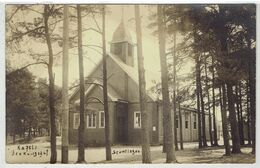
[(121, 33), (123, 14)]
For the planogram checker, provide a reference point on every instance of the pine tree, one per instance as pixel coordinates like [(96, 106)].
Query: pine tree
[(146, 154), (65, 97), (81, 129), (168, 131)]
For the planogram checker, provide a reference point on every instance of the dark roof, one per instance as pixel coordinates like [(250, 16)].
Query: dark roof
[(121, 34)]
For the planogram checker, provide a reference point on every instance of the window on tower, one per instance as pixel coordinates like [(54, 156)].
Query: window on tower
[(117, 48)]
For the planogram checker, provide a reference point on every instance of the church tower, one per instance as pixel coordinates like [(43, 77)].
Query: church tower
[(122, 45)]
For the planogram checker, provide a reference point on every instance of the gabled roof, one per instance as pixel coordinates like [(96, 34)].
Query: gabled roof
[(112, 94)]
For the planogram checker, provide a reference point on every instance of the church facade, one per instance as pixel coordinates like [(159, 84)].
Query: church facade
[(123, 102)]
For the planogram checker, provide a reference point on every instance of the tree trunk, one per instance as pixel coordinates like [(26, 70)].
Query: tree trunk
[(242, 141), (204, 138), (164, 146), (107, 119), (180, 118), (146, 154), (13, 136), (252, 83), (174, 92), (198, 100), (238, 112), (81, 130), (248, 114), (223, 105), (175, 128), (252, 110), (207, 90), (170, 152), (233, 121), (239, 116), (214, 105), (65, 96), (53, 158)]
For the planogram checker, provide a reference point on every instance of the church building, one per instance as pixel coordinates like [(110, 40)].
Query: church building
[(123, 101)]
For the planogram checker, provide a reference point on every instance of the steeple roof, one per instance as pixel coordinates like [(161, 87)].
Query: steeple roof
[(121, 34)]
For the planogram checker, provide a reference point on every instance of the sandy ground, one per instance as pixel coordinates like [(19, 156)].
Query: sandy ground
[(39, 152)]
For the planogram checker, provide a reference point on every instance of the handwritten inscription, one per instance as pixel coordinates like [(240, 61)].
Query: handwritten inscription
[(29, 150), (125, 151)]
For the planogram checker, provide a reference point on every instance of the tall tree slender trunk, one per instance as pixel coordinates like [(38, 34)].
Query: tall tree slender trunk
[(170, 152), (242, 141), (248, 114), (223, 105), (164, 146), (252, 105), (53, 158), (175, 129), (204, 137), (81, 129), (146, 154), (14, 135), (180, 119), (252, 93), (203, 117), (239, 115), (233, 121), (207, 90), (198, 100), (106, 111), (174, 91), (214, 104), (65, 97)]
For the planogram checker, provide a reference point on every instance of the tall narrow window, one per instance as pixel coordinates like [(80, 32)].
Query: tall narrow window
[(75, 120), (137, 119), (91, 120), (186, 121), (186, 124), (194, 121), (101, 119)]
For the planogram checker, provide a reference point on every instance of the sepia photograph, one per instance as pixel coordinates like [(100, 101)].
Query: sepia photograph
[(130, 83)]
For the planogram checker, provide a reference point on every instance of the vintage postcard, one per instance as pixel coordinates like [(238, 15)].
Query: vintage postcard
[(130, 83)]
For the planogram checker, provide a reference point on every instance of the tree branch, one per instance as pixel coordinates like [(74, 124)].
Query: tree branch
[(86, 83), (23, 34), (26, 66), (94, 18), (91, 47), (92, 30)]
